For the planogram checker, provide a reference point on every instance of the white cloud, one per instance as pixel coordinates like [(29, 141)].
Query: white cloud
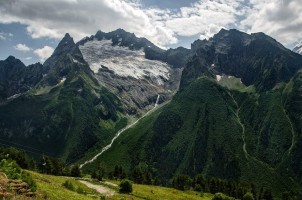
[(5, 36), (85, 17), (81, 18), (28, 58), (205, 17), (279, 18), (22, 47), (53, 18), (44, 52)]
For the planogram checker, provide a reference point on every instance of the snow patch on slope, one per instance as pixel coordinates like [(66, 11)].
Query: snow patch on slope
[(218, 77), (123, 61), (299, 50)]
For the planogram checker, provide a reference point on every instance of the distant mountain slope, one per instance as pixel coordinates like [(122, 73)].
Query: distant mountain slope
[(16, 78), (257, 59)]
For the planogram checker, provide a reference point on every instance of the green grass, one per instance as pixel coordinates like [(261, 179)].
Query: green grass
[(233, 83), (51, 187), (155, 192)]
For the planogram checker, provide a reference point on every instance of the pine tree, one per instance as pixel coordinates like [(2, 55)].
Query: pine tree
[(94, 175), (138, 175), (101, 172), (75, 171)]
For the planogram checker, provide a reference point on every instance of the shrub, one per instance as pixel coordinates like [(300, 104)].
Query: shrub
[(182, 182), (11, 169), (126, 186), (220, 196), (75, 171), (26, 177), (68, 185), (198, 188), (248, 196), (81, 191)]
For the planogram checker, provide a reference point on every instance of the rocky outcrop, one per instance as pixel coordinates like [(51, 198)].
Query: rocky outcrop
[(16, 78), (65, 60)]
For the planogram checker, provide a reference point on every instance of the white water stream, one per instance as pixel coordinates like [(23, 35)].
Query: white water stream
[(119, 133)]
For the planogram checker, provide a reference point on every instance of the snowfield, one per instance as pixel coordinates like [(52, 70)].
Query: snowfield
[(123, 61)]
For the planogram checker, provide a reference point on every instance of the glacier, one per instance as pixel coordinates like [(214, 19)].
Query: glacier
[(123, 61)]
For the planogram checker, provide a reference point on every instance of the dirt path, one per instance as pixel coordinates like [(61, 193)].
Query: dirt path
[(111, 184), (101, 189)]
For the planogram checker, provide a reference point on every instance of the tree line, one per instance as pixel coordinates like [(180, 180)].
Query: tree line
[(141, 174)]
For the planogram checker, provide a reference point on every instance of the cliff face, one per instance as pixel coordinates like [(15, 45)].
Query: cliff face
[(16, 78)]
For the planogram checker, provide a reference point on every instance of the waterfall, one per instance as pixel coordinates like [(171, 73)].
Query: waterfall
[(157, 100)]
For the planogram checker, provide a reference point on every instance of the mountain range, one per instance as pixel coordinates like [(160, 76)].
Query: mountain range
[(230, 107)]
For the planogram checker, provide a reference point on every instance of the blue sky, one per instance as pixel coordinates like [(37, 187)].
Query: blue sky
[(31, 29)]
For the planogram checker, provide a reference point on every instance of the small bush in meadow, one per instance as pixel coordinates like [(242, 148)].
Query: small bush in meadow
[(126, 186)]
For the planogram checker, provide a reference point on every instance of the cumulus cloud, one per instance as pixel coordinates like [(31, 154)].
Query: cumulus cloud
[(53, 18), (206, 17), (279, 18), (44, 52), (22, 47)]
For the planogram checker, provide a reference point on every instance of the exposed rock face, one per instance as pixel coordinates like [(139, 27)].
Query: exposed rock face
[(119, 62), (177, 58), (16, 78), (257, 59), (66, 59)]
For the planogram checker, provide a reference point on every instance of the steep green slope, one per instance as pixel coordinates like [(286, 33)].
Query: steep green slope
[(218, 132), (66, 121), (66, 113)]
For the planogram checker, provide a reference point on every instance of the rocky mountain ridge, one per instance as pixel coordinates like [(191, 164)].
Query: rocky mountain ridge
[(16, 78)]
